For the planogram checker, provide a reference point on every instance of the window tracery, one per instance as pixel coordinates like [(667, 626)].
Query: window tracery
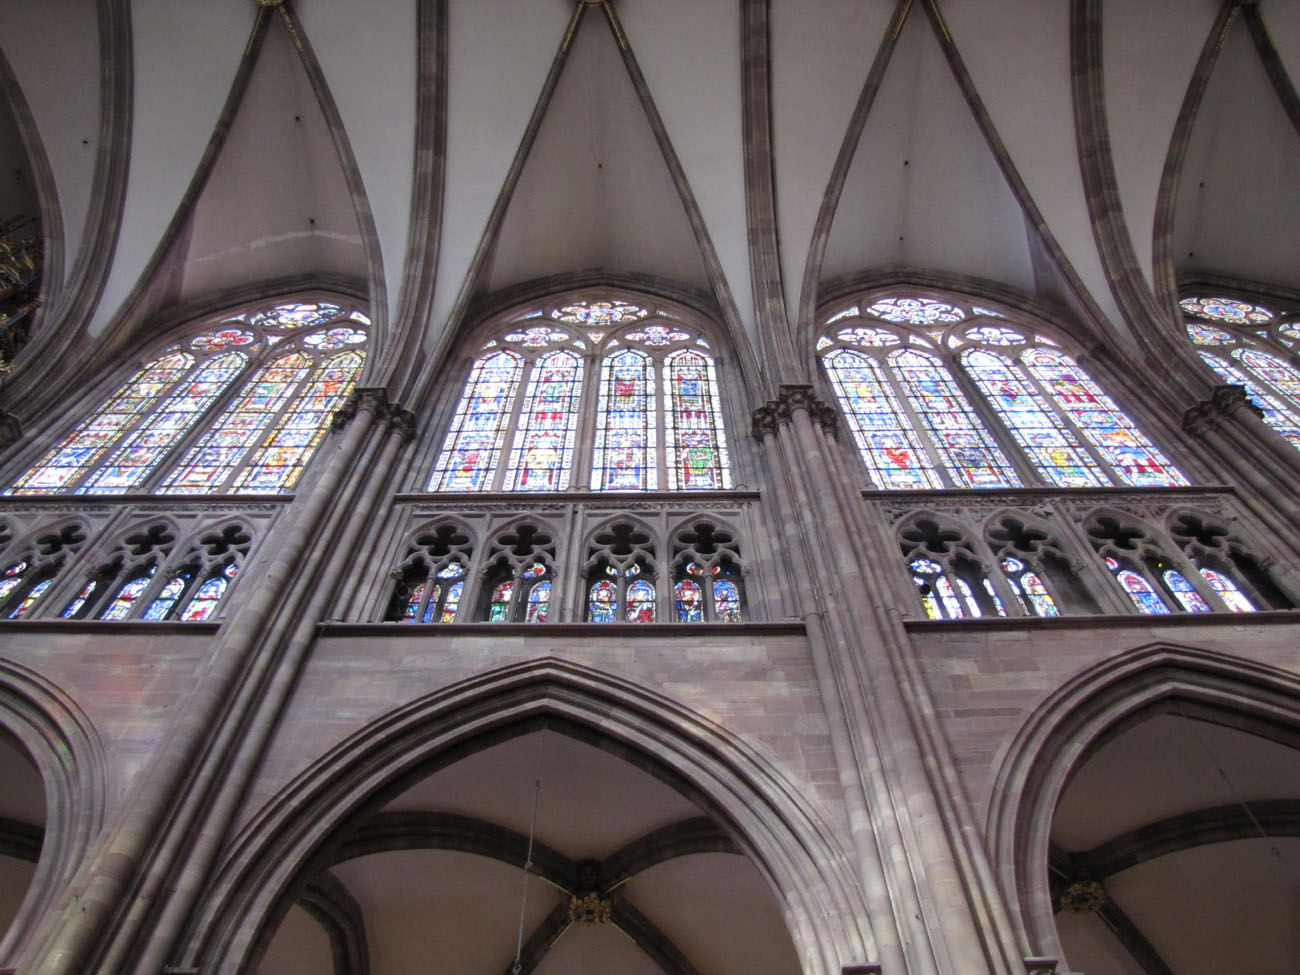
[(1035, 568), (950, 579), (938, 394), (239, 407), (28, 577), (519, 580), (1254, 346), (1153, 579), (620, 573), (615, 397), (431, 580), (1234, 573), (706, 575)]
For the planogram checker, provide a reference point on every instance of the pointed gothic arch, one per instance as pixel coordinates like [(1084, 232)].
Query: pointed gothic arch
[(1071, 722), (768, 817)]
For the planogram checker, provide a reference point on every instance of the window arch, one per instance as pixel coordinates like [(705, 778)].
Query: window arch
[(239, 407), (941, 394), (599, 394), (1251, 345)]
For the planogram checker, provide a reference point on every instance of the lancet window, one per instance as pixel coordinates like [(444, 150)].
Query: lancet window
[(707, 584), (431, 579), (1254, 346), (606, 395), (238, 407), (941, 394), (620, 573), (1235, 574), (30, 574), (950, 580), (520, 578)]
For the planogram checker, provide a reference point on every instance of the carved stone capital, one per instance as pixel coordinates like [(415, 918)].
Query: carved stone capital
[(1041, 966), (1083, 897), (1226, 400), (403, 421), (364, 399), (790, 399)]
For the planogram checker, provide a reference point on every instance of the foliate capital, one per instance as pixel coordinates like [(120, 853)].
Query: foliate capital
[(1226, 400), (792, 398)]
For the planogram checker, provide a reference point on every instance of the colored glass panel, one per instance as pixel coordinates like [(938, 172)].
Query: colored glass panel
[(537, 337), (63, 466), (1132, 456), (994, 335), (624, 455), (968, 597), (413, 603), (602, 602), (74, 607), (1184, 592), (657, 335), (165, 600), (145, 447), (640, 602), (1202, 334), (726, 601), (208, 464), (451, 603), (1051, 446), (1278, 414), (1227, 590), (948, 598), (1226, 310), (694, 443), (994, 597), (13, 577), (280, 460), (473, 446), (968, 452), (226, 338), (599, 313), (334, 338), (499, 610), (127, 597), (205, 600), (870, 337), (688, 601), (1029, 589), (916, 311), (539, 602), (541, 456), (297, 315), (37, 591), (889, 446), (1281, 376), (1138, 590)]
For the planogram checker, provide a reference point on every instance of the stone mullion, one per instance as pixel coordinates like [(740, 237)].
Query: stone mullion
[(76, 570), (1086, 561), (802, 565), (131, 866), (880, 679), (569, 559)]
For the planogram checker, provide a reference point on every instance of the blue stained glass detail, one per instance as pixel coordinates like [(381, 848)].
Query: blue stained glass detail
[(726, 601), (37, 591), (694, 440), (640, 602), (474, 443), (602, 602), (1138, 590), (1227, 590), (688, 601), (162, 605), (968, 452), (624, 455), (1185, 592), (126, 597), (541, 456)]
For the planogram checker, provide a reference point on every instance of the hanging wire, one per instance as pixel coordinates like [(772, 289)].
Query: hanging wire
[(1232, 786), (528, 862)]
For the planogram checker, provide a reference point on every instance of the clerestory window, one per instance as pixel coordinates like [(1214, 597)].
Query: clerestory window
[(1252, 346), (239, 407), (605, 395), (939, 394)]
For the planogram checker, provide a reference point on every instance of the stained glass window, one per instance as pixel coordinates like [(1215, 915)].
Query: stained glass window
[(499, 610), (1051, 445), (127, 597), (641, 602), (413, 603), (542, 454), (1029, 588), (82, 449), (13, 578), (688, 600), (1186, 594), (474, 443), (970, 455), (937, 593), (624, 454), (205, 600), (1138, 590), (162, 604), (539, 603), (889, 445), (602, 602), (1227, 590), (1133, 458), (1278, 414), (726, 601), (697, 452), (165, 418), (79, 601), (36, 592)]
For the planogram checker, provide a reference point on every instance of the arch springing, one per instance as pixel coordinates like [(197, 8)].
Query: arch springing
[(941, 395), (186, 424), (615, 399)]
